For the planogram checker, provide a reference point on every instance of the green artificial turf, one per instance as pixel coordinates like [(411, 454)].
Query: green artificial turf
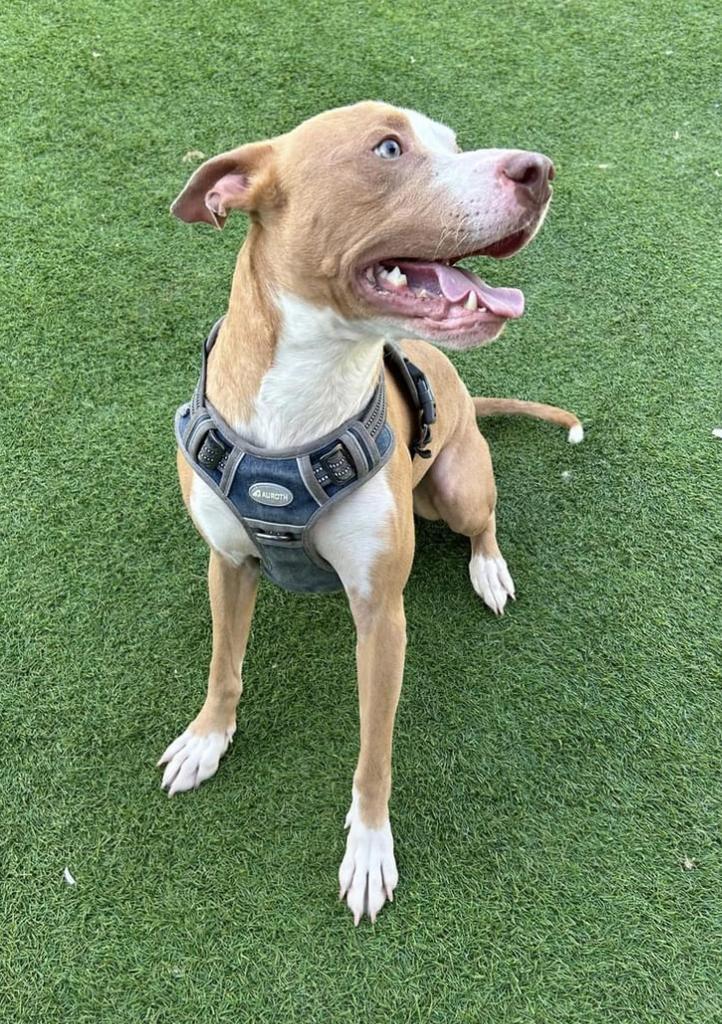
[(553, 768)]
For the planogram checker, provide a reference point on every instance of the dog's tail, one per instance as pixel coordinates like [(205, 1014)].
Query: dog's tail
[(515, 407)]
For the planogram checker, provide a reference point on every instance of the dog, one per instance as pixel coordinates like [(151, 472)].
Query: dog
[(358, 218)]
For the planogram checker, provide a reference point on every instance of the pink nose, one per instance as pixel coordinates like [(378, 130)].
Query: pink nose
[(531, 173)]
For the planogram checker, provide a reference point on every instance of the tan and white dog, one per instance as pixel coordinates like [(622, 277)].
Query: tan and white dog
[(358, 218)]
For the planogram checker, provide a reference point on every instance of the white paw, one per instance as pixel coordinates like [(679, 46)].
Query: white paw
[(191, 759), (368, 875), (491, 580)]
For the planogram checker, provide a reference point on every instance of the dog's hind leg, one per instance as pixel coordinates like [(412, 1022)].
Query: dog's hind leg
[(194, 756), (459, 488)]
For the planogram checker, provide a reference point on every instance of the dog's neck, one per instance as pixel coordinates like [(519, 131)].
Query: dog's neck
[(285, 371)]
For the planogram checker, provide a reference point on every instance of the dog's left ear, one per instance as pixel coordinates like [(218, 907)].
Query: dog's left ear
[(231, 181)]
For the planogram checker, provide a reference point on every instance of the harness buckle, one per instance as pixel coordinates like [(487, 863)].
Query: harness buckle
[(427, 400), (417, 447), (277, 536), (427, 413)]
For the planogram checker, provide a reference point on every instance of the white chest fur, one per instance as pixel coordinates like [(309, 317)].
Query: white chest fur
[(324, 370)]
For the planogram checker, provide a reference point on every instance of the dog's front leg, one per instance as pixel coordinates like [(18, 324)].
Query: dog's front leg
[(194, 756), (368, 874)]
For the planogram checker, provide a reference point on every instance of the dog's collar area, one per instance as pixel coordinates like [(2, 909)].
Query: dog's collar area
[(278, 496)]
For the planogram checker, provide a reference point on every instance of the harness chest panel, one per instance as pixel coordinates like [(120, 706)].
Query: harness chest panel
[(279, 496)]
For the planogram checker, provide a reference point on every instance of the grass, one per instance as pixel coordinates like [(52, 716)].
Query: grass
[(552, 769)]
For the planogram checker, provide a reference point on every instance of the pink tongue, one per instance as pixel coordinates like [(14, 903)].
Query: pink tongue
[(456, 284)]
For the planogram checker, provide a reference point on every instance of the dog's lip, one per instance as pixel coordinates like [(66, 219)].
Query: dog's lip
[(502, 249), (455, 333)]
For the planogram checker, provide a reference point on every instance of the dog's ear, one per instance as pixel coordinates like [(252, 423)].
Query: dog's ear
[(231, 181)]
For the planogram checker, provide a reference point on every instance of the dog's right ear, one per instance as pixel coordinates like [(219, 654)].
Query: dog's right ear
[(231, 181)]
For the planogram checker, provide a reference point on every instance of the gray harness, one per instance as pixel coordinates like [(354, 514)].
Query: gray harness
[(279, 496)]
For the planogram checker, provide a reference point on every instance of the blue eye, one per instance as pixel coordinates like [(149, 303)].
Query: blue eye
[(388, 149)]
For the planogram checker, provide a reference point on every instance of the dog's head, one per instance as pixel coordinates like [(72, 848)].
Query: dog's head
[(367, 210)]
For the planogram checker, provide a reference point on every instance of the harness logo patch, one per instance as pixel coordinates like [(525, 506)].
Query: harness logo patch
[(270, 494)]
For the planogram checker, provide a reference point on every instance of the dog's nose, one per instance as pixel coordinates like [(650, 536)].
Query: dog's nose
[(531, 172)]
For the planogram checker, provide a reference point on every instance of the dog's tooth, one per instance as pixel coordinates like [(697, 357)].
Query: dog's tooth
[(370, 275), (397, 279), (423, 294), (383, 273), (472, 301)]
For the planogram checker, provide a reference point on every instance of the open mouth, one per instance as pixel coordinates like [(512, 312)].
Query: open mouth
[(447, 299)]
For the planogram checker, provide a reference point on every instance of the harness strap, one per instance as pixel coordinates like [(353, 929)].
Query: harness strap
[(416, 385), (199, 395)]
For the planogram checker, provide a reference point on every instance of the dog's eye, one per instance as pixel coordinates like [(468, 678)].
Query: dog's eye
[(389, 149)]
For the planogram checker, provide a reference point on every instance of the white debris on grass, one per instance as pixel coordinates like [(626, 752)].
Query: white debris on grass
[(566, 475), (69, 880), (717, 432), (193, 154), (688, 863)]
